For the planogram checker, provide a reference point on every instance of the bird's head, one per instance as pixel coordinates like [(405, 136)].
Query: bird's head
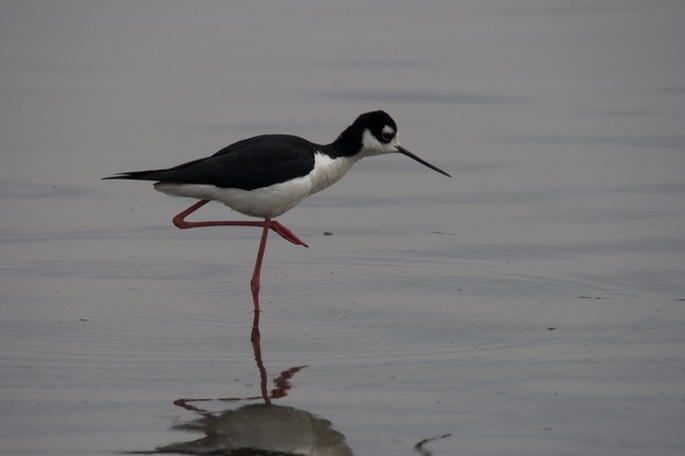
[(379, 136)]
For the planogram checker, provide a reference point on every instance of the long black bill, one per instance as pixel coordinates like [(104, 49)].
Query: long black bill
[(404, 151)]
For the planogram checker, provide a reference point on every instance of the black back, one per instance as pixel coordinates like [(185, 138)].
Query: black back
[(248, 164)]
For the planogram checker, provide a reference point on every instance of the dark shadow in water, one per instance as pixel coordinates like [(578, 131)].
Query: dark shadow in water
[(419, 447), (260, 429), (263, 429)]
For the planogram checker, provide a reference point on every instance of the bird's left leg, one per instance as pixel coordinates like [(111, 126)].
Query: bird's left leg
[(285, 233)]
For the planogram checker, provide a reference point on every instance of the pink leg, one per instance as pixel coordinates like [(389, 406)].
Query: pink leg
[(267, 224), (254, 282), (282, 231)]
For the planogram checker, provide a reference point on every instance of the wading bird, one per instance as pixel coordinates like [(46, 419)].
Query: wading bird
[(267, 175)]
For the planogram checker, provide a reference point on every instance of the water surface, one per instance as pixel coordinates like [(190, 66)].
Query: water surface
[(532, 304)]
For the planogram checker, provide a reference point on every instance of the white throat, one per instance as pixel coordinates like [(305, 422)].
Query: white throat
[(372, 146)]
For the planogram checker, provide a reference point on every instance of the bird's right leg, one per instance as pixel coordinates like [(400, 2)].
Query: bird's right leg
[(255, 281)]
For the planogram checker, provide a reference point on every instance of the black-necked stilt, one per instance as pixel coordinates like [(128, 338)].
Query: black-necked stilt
[(267, 175)]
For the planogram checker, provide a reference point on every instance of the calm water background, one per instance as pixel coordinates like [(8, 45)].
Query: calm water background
[(534, 304)]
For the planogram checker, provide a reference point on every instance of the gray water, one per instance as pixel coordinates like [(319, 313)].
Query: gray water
[(534, 304)]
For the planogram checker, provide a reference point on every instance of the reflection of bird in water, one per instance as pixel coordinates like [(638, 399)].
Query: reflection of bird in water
[(260, 429), (264, 430)]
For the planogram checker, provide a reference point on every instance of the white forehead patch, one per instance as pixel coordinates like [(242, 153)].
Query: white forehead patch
[(388, 130)]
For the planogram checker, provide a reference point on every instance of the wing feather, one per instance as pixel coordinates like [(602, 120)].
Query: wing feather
[(248, 164)]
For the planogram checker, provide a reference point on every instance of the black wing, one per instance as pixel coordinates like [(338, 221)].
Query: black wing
[(248, 164)]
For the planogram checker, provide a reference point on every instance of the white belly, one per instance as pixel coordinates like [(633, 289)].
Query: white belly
[(270, 201), (264, 202)]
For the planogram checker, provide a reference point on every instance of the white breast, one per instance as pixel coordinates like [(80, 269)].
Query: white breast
[(327, 171)]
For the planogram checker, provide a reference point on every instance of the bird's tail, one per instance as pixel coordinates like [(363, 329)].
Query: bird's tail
[(151, 175)]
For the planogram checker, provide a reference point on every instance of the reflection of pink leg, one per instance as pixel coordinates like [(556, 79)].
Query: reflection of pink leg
[(257, 349), (282, 231), (282, 382)]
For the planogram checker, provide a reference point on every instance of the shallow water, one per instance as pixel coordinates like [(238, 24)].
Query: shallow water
[(532, 304)]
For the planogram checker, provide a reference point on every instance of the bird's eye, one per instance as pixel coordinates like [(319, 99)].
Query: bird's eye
[(386, 136)]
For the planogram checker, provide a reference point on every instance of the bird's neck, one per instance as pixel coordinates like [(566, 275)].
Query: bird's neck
[(347, 144)]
